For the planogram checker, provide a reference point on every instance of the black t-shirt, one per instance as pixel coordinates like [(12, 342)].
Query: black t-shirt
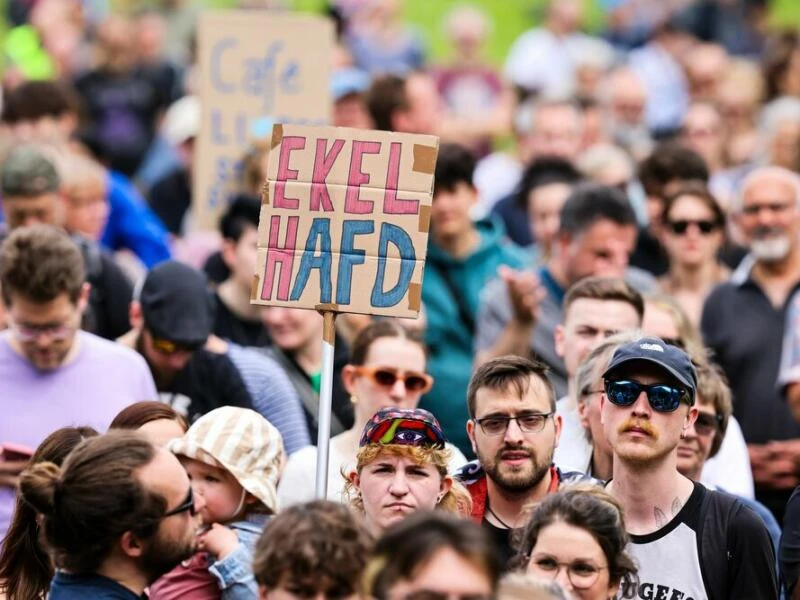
[(208, 381), (215, 268), (240, 331), (170, 198), (715, 548), (502, 541), (744, 329), (649, 254), (121, 113)]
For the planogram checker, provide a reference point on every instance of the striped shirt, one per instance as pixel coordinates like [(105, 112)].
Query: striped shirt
[(273, 395)]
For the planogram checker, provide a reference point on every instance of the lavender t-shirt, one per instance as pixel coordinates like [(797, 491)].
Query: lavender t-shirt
[(101, 380)]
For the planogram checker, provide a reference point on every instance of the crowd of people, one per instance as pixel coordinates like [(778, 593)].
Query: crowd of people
[(601, 395)]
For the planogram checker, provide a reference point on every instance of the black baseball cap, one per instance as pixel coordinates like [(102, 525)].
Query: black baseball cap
[(656, 351), (176, 304)]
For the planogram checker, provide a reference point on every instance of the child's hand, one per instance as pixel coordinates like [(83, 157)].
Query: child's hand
[(219, 541)]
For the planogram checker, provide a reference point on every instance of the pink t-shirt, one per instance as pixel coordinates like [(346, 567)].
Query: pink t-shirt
[(190, 580), (101, 380)]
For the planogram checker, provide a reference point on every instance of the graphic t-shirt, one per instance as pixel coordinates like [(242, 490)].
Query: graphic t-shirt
[(714, 548), (675, 545)]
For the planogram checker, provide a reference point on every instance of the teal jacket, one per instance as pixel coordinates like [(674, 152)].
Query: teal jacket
[(451, 291)]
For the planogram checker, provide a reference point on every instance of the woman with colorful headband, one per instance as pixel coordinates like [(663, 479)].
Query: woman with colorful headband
[(401, 467), (386, 369)]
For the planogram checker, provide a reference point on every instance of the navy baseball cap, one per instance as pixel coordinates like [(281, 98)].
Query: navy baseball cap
[(176, 304), (655, 351)]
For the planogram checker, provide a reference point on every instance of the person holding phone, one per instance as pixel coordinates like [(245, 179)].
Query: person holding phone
[(52, 374)]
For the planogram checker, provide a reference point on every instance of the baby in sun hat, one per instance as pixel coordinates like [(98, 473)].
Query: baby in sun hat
[(234, 458)]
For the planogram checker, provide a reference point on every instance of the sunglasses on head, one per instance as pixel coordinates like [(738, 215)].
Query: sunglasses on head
[(707, 424), (186, 505), (680, 227), (662, 397), (388, 376)]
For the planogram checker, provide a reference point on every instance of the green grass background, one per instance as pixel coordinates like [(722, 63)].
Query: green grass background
[(509, 18)]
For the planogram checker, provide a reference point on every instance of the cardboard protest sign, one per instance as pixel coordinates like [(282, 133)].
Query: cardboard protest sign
[(344, 220), (256, 68)]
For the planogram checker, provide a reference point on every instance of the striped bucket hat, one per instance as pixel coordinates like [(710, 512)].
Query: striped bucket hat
[(242, 442)]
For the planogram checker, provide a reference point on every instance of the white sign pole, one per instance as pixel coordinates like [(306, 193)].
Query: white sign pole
[(325, 400)]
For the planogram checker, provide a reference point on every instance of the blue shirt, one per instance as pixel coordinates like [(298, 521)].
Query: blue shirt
[(66, 586), (132, 225)]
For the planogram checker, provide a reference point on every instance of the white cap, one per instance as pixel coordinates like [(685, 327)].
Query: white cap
[(182, 120)]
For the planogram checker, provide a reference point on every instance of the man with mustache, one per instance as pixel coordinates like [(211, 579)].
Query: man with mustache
[(744, 320), (689, 541), (514, 430)]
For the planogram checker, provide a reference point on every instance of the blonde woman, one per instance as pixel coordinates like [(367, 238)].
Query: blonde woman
[(401, 467)]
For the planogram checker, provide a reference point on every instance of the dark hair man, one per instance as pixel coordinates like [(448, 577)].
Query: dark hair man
[(52, 374), (514, 430), (407, 104), (171, 320), (668, 165), (236, 319), (117, 515), (714, 545), (596, 236)]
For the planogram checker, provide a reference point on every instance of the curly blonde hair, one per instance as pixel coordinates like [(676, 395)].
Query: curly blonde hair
[(457, 500)]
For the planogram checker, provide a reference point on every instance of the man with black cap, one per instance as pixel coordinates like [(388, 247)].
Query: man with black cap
[(171, 317), (689, 542)]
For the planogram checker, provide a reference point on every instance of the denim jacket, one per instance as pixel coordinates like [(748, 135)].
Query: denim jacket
[(234, 573)]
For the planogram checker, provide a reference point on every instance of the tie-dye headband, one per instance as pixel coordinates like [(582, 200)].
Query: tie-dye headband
[(415, 427)]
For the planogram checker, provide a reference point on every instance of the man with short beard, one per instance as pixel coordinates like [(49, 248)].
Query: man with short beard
[(689, 541), (743, 322), (116, 516), (514, 430)]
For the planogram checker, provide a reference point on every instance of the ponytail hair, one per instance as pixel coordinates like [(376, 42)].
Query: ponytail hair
[(93, 499), (38, 486)]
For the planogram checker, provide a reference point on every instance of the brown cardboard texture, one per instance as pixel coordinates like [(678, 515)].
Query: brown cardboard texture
[(256, 69), (346, 223)]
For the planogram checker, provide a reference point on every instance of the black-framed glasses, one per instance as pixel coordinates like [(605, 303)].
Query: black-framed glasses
[(661, 396), (581, 574), (527, 422), (706, 424), (187, 504), (681, 226)]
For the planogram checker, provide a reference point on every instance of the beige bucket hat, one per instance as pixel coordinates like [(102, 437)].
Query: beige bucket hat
[(241, 441)]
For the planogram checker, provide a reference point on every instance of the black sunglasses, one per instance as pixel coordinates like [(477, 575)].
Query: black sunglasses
[(706, 423), (681, 226), (662, 397), (187, 504)]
